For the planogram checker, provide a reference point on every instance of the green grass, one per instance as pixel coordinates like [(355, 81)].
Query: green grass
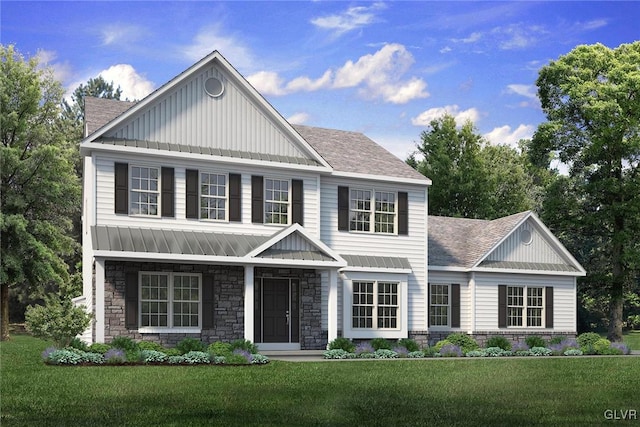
[(446, 392), (632, 339)]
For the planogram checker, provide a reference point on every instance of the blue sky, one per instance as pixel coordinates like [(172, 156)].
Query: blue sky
[(382, 68)]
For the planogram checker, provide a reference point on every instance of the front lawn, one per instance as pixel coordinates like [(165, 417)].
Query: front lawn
[(632, 339), (447, 392)]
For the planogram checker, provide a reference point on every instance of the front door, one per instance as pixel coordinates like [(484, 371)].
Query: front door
[(278, 306)]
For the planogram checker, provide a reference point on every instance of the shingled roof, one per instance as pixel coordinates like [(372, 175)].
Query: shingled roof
[(100, 111), (461, 242)]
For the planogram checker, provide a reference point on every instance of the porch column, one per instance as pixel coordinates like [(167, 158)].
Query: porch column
[(99, 312), (248, 302), (332, 309)]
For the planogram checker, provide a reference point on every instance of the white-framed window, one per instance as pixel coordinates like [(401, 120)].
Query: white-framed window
[(170, 300), (525, 305), (213, 196), (277, 201), (144, 190), (375, 305), (373, 211), (439, 305)]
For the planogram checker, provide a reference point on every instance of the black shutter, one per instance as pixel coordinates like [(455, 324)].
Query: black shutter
[(192, 193), (502, 306), (343, 208), (235, 197), (297, 201), (429, 304), (208, 306), (131, 300), (168, 187), (257, 200), (403, 213), (548, 307), (455, 305), (121, 174)]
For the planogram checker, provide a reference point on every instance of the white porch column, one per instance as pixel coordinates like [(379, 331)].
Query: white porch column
[(332, 309), (248, 303), (100, 320), (472, 289)]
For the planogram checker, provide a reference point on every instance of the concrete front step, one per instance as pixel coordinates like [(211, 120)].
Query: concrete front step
[(294, 355)]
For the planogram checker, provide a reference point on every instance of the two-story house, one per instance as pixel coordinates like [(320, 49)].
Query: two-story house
[(207, 215)]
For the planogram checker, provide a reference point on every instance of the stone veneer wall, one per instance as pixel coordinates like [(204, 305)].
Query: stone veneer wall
[(312, 337), (431, 338), (228, 301)]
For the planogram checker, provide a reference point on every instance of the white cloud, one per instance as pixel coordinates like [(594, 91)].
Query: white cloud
[(212, 38), (116, 34), (61, 70), (445, 49), (133, 85), (528, 91), (504, 135), (424, 118), (298, 118), (518, 36), (473, 37), (351, 19), (377, 75)]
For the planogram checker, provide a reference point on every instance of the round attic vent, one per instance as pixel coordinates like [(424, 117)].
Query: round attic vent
[(213, 87), (526, 237)]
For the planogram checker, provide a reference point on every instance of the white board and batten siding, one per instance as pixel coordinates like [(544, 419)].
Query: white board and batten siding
[(105, 196), (187, 115), (564, 299), (539, 250), (411, 246)]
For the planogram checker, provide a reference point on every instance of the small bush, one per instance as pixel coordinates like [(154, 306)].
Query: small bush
[(384, 353), (519, 346), (337, 353), (175, 360), (557, 339), (573, 352), (98, 347), (77, 343), (540, 351), (430, 351), (476, 353), (246, 345), (495, 351), (92, 358), (409, 344), (622, 347), (259, 359), (441, 344), (450, 350), (501, 342), (342, 343), (124, 343), (381, 344), (64, 357), (196, 358), (588, 339), (188, 345), (149, 345), (602, 346), (220, 348), (115, 356), (416, 355), (364, 348), (244, 354), (523, 353), (58, 320), (535, 341), (171, 352), (464, 341), (401, 351), (152, 356)]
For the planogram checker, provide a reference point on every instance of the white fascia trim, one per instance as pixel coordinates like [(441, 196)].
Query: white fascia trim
[(85, 148), (212, 259), (398, 180), (443, 268), (536, 272), (375, 270)]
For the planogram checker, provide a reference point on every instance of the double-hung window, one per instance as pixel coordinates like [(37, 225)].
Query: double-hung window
[(375, 305), (170, 300), (372, 211), (144, 193), (525, 305), (276, 201), (439, 305), (213, 196)]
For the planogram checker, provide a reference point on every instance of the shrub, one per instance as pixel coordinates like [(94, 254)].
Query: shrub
[(401, 351), (171, 352), (450, 350), (557, 339), (573, 352), (562, 347), (98, 347), (64, 357), (621, 346), (115, 356), (152, 356), (246, 345), (634, 321), (188, 345), (77, 343), (601, 346), (337, 353), (149, 345), (244, 354), (384, 353), (501, 342), (430, 351), (588, 339), (535, 341), (366, 356), (93, 358), (364, 348), (540, 351), (220, 348), (409, 344), (416, 355), (381, 344), (259, 359), (124, 343), (476, 353), (196, 358), (58, 320), (441, 344), (175, 360), (464, 341), (495, 351), (523, 353), (219, 360), (342, 343), (519, 346)]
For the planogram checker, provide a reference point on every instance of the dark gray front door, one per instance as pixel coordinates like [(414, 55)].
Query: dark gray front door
[(276, 307)]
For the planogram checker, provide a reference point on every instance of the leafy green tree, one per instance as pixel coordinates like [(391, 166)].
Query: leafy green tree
[(97, 87), (58, 320), (39, 191), (591, 97), (471, 178)]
